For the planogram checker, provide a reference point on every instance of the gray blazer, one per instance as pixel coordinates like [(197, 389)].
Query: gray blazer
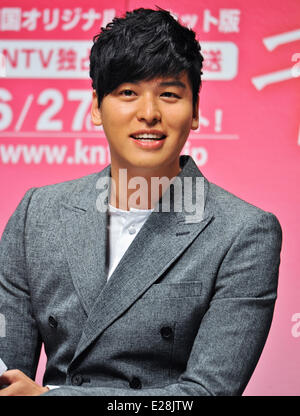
[(186, 312)]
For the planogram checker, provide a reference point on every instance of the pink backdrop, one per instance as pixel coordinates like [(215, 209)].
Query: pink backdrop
[(248, 141)]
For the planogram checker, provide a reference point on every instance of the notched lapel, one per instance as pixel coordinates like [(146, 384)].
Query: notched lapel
[(85, 248)]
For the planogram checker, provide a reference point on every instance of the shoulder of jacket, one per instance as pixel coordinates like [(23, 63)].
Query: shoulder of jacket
[(63, 190), (234, 208)]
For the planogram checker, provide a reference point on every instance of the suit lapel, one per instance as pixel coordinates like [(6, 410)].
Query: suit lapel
[(85, 242), (162, 239)]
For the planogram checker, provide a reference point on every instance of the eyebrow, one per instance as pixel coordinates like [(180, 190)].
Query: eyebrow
[(172, 84), (175, 83)]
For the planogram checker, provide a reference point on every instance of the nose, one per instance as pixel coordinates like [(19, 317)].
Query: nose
[(148, 110)]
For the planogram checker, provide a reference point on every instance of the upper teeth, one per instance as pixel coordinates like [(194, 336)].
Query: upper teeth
[(148, 136)]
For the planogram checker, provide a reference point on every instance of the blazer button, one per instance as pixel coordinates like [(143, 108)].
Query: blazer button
[(166, 332), (135, 383), (52, 322), (105, 186), (77, 380)]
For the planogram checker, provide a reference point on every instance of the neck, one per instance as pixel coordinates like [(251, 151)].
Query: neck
[(139, 188)]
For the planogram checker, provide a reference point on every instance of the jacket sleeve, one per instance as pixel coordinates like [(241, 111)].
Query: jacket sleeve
[(234, 328), (20, 343)]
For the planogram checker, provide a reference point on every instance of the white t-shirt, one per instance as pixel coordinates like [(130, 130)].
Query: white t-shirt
[(123, 226)]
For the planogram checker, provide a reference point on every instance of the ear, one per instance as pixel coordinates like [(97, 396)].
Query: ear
[(195, 121), (95, 110)]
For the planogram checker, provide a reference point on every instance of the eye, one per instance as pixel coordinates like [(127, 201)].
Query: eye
[(127, 93), (170, 94)]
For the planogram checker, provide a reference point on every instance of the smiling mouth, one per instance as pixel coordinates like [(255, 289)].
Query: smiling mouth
[(148, 137)]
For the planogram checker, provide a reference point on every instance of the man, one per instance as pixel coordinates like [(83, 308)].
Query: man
[(127, 297)]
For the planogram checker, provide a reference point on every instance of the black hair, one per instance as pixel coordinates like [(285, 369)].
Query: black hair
[(143, 45)]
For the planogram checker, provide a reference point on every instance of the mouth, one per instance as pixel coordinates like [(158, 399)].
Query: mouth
[(148, 137), (149, 141)]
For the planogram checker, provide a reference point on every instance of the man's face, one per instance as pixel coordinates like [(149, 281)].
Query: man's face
[(147, 123)]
